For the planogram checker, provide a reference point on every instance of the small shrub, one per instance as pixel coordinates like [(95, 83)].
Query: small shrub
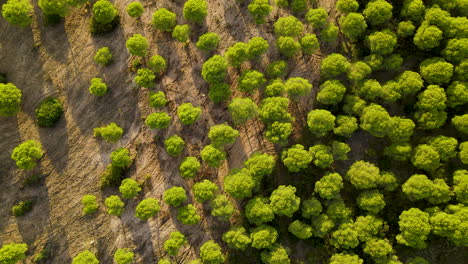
[(121, 158), (174, 145), (276, 69), (204, 191), (103, 56), (188, 114), (250, 80), (157, 64), (49, 112), (309, 44), (189, 167), (90, 204), (18, 12), (110, 133), (288, 46), (187, 215), (181, 32), (137, 45), (288, 27), (10, 99), (22, 208), (259, 9), (157, 99), (135, 9), (26, 154), (97, 87), (212, 156), (115, 205), (159, 120), (129, 188), (175, 196), (317, 17), (214, 70), (147, 208), (124, 256), (195, 10), (208, 41), (145, 78), (164, 20)]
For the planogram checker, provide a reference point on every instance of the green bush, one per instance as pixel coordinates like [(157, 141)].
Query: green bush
[(195, 10), (147, 208), (104, 12), (288, 46), (145, 78), (288, 27), (259, 9), (237, 54), (159, 120), (135, 9), (263, 236), (414, 227), (274, 89), (275, 109), (456, 50), (353, 26), (276, 69), (181, 33), (239, 185), (137, 45), (322, 156), (164, 20), (223, 134), (49, 112), (329, 33), (174, 243), (309, 43), (157, 99), (54, 7), (111, 133), (175, 196), (334, 65), (329, 186), (85, 257), (26, 154), (413, 10), (311, 208), (258, 211), (371, 201), (157, 64), (121, 158), (296, 158), (174, 145), (378, 12), (212, 156), (436, 71), (376, 120), (97, 87), (189, 167), (284, 201), (129, 188), (211, 253), (124, 256), (331, 92), (347, 6), (115, 205), (237, 238), (242, 109), (250, 80), (279, 132), (214, 70), (103, 56), (90, 205), (428, 37), (222, 207), (461, 123), (320, 122), (405, 29), (204, 191), (297, 87), (300, 230), (317, 17), (10, 99), (382, 42), (22, 208), (187, 215), (18, 12), (188, 114), (257, 46), (208, 41)]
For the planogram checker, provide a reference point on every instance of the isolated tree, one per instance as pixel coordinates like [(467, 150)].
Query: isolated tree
[(189, 167), (341, 258), (175, 196), (401, 129), (413, 10), (157, 64), (48, 112), (259, 9), (204, 191), (284, 201), (353, 26), (110, 133), (334, 65), (376, 120), (103, 56), (320, 122), (382, 42), (279, 132), (461, 123), (27, 153), (250, 80), (258, 211), (296, 87), (85, 257), (17, 12), (61, 7), (378, 12), (256, 47), (90, 205), (432, 98), (121, 158), (137, 45), (174, 243), (296, 158), (345, 125), (436, 71), (10, 99), (214, 69), (263, 236), (212, 155), (208, 41), (181, 33), (457, 93), (195, 10), (222, 207), (347, 6), (274, 109), (309, 44), (145, 78), (288, 46), (331, 92), (456, 50), (317, 17), (115, 205), (288, 26), (147, 208), (210, 253), (428, 37), (124, 256), (174, 145), (237, 54), (135, 9), (363, 175), (164, 19), (129, 188), (237, 238), (158, 120), (414, 228), (371, 201), (311, 208), (239, 185), (425, 157), (329, 33), (300, 230), (329, 186), (104, 12), (321, 156), (345, 237)]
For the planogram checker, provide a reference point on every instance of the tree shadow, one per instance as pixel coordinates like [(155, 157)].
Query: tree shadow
[(55, 143), (141, 233)]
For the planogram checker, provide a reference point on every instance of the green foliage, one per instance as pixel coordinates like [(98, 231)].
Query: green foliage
[(237, 54), (260, 165), (189, 167), (329, 33), (17, 12), (338, 211), (353, 105), (237, 238), (26, 154), (279, 132), (378, 12), (174, 145), (398, 151), (121, 158), (159, 120), (321, 156), (358, 71), (401, 129), (347, 6), (147, 208), (382, 42), (341, 258), (103, 56), (376, 120), (413, 10), (274, 109), (437, 17), (164, 261), (212, 155), (288, 26), (463, 154), (296, 87), (334, 65), (263, 236), (208, 41), (97, 87), (414, 227), (110, 133), (259, 9), (445, 146), (353, 26), (405, 29), (311, 208), (368, 227), (369, 89), (320, 122), (276, 254), (135, 9), (431, 119), (460, 185), (85, 257), (425, 157), (115, 205), (89, 203), (456, 50), (345, 125), (145, 77), (461, 123), (223, 134), (257, 46), (112, 176), (440, 192), (129, 188), (195, 10), (275, 88), (329, 186), (22, 208), (137, 45), (49, 112), (124, 256), (219, 92), (317, 17), (288, 46), (296, 158), (457, 94), (104, 12), (61, 7), (309, 43), (239, 185), (214, 70), (300, 230), (10, 99), (210, 253), (164, 19), (204, 191), (363, 175), (222, 207), (181, 33), (157, 64), (345, 237), (175, 196), (322, 225), (259, 211), (431, 99), (436, 71), (371, 201), (378, 249), (283, 200), (276, 69), (331, 92), (428, 37), (174, 243), (250, 80)]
